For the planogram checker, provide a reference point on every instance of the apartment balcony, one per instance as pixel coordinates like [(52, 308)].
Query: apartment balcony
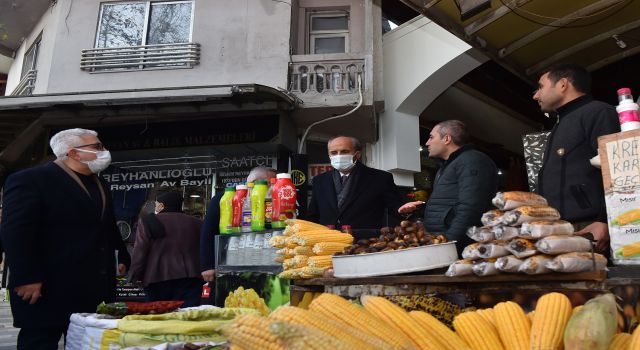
[(327, 80), (162, 56), (26, 85)]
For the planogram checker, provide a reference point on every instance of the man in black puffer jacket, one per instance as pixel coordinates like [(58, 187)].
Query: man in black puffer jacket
[(463, 187)]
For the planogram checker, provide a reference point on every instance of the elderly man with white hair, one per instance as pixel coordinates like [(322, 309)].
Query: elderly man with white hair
[(59, 234)]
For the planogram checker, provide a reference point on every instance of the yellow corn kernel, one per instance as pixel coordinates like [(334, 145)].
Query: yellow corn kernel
[(302, 250), (277, 241), (291, 274), (297, 337), (553, 311), (304, 225), (312, 272), (513, 326), (635, 340), (488, 314), (320, 261), (396, 317), (621, 341), (347, 335), (279, 259), (340, 310), (299, 261), (325, 236), (630, 249), (286, 252), (628, 217), (439, 331), (252, 332), (476, 331), (329, 248), (530, 315)]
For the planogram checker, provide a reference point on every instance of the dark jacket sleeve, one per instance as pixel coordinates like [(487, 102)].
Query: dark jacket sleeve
[(115, 237), (392, 198), (140, 253), (477, 184), (20, 228), (208, 232)]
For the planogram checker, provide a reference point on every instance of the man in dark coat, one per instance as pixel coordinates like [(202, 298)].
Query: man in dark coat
[(463, 187), (60, 236), (353, 194), (567, 180)]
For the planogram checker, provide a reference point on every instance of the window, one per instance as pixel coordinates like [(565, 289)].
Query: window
[(144, 23), (329, 32), (30, 58)]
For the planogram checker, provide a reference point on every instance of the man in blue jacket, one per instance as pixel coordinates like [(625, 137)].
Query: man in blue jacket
[(463, 187)]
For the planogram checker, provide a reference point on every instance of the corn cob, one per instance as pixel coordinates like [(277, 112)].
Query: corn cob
[(348, 335), (335, 308), (328, 248), (286, 252), (394, 316), (291, 274), (280, 259), (302, 250), (630, 249), (439, 308), (300, 261), (576, 309), (635, 340), (489, 315), (277, 241), (252, 332), (627, 217), (320, 261), (296, 337), (445, 337), (479, 333), (621, 341), (304, 225), (312, 237), (513, 326), (288, 264), (530, 315), (552, 314), (290, 242), (312, 272), (235, 347)]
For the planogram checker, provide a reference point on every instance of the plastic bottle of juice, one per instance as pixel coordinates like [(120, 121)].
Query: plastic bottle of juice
[(246, 209), (238, 201), (226, 210), (268, 204), (284, 201), (258, 195)]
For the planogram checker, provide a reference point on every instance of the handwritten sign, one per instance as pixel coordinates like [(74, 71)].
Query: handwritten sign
[(620, 158)]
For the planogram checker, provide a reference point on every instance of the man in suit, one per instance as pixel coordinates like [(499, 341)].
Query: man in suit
[(59, 234), (353, 194)]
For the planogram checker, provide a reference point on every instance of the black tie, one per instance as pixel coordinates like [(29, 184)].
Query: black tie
[(343, 179)]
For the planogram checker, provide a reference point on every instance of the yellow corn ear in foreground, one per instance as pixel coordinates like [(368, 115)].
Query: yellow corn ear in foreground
[(252, 333), (329, 248), (312, 272), (347, 335), (320, 261), (394, 316), (635, 340), (552, 314), (313, 237), (439, 331), (302, 250), (340, 310), (620, 341), (476, 331), (531, 315), (630, 249), (513, 326), (296, 337), (304, 225), (299, 261), (488, 314)]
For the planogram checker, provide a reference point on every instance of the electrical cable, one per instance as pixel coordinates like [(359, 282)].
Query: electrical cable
[(513, 9), (304, 136)]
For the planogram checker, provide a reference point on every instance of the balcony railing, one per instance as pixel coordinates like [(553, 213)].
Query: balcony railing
[(26, 85), (141, 57), (335, 77)]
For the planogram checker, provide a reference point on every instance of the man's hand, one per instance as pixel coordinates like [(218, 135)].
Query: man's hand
[(600, 232), (29, 292), (209, 275), (410, 207), (122, 269)]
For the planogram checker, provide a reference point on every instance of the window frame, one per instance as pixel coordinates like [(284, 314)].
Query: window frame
[(35, 46), (147, 12), (334, 33)]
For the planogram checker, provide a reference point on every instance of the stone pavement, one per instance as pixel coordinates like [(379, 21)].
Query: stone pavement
[(8, 334)]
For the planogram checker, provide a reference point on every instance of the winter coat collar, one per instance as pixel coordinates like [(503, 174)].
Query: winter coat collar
[(573, 105)]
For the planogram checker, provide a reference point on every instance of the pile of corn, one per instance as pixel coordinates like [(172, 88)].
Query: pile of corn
[(332, 322), (246, 298), (306, 248)]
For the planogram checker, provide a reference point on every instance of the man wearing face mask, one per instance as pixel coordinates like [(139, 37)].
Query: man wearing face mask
[(353, 194), (59, 234)]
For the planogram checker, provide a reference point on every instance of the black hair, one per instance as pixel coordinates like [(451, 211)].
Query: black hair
[(577, 75)]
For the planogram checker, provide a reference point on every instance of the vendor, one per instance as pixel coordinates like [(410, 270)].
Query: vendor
[(567, 180), (463, 187)]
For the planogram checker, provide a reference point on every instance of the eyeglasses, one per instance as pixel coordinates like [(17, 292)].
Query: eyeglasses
[(98, 146)]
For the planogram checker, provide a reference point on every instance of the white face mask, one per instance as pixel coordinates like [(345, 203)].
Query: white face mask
[(102, 161), (342, 162)]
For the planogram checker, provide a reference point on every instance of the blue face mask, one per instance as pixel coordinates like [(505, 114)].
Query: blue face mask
[(342, 162)]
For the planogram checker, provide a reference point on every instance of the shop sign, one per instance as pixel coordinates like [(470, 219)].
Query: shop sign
[(317, 169), (620, 158)]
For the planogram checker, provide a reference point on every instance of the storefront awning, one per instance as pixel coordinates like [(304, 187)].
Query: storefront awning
[(528, 36)]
